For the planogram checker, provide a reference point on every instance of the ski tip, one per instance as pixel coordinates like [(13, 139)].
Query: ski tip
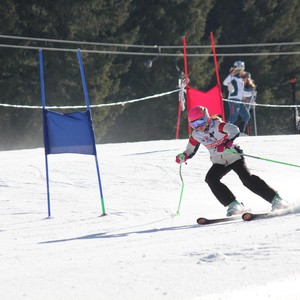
[(201, 221), (247, 216)]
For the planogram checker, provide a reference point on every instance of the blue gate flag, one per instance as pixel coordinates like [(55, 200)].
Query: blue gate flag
[(69, 133)]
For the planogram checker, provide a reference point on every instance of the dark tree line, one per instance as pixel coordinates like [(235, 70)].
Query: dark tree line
[(113, 78)]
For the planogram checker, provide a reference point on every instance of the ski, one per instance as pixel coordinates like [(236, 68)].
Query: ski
[(267, 215), (205, 221), (249, 216), (252, 216)]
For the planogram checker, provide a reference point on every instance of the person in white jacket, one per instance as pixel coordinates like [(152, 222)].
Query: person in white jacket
[(216, 136), (235, 85)]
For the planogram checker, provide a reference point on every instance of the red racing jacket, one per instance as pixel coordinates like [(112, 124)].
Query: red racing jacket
[(216, 134)]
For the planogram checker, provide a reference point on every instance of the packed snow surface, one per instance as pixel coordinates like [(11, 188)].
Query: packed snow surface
[(141, 249)]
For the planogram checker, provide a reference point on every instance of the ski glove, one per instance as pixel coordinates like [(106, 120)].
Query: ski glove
[(227, 143), (238, 150), (182, 157)]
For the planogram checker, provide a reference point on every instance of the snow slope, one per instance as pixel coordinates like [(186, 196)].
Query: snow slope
[(141, 249)]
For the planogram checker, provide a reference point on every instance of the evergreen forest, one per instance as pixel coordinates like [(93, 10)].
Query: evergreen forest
[(135, 51)]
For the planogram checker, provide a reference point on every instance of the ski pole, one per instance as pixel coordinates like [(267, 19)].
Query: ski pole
[(182, 187), (262, 158)]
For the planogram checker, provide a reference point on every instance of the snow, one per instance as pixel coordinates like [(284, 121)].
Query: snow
[(142, 249)]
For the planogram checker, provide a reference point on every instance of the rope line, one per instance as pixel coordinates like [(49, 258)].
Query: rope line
[(149, 53), (265, 105), (132, 101), (93, 106), (145, 46)]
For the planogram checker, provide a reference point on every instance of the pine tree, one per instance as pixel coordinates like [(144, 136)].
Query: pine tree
[(162, 23), (260, 22), (93, 21)]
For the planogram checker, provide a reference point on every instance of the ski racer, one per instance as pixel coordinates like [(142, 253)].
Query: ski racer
[(216, 136)]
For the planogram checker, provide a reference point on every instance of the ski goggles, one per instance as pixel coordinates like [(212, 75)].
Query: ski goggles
[(198, 123)]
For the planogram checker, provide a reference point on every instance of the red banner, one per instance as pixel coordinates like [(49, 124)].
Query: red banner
[(209, 99)]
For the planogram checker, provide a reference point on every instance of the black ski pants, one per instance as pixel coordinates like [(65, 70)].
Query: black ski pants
[(252, 182)]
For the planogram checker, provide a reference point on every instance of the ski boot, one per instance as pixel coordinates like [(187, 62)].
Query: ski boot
[(235, 208), (279, 203)]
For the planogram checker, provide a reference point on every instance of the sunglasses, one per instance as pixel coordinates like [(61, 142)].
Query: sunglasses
[(198, 123)]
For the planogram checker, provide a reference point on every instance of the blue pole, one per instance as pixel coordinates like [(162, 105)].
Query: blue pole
[(86, 96), (44, 128), (100, 186)]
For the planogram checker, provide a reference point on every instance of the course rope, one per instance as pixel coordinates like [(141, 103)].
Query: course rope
[(129, 102)]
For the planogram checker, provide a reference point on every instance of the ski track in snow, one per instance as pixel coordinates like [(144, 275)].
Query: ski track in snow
[(141, 249)]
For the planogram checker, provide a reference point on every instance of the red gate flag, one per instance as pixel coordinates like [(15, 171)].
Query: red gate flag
[(210, 99)]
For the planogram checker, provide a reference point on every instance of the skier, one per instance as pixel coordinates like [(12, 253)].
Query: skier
[(235, 85), (216, 136)]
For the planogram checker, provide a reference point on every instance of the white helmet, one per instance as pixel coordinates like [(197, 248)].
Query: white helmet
[(239, 65)]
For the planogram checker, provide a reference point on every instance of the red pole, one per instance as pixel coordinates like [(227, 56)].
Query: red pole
[(217, 72), (186, 78)]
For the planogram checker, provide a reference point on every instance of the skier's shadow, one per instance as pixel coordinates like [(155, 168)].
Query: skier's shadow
[(108, 235), (105, 235)]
